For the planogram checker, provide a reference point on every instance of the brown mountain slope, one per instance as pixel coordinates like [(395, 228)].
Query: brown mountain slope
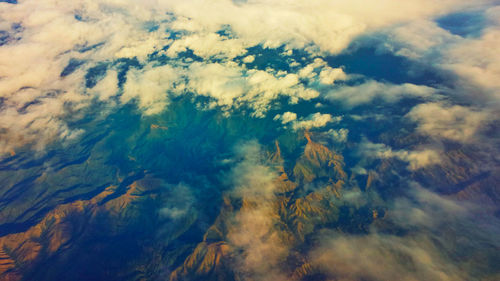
[(290, 216), (60, 227)]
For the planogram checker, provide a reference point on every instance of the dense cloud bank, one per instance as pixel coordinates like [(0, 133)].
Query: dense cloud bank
[(58, 58)]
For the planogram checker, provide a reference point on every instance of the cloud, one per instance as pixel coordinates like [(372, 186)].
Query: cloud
[(286, 117), (315, 120), (472, 58), (232, 86), (364, 93), (107, 87), (150, 88), (476, 61), (422, 250), (36, 124), (207, 46), (427, 210), (329, 75), (416, 159), (453, 122), (326, 25), (253, 231), (418, 39), (252, 179), (41, 44), (339, 135), (384, 257), (224, 83), (249, 59), (36, 97), (179, 203), (325, 74)]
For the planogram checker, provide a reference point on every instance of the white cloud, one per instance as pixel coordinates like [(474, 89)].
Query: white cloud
[(381, 257), (222, 82), (150, 87), (315, 120), (454, 122), (253, 232), (49, 35), (416, 159), (309, 70), (327, 25), (107, 87), (355, 95), (38, 123), (286, 117), (329, 75), (425, 249), (179, 202), (474, 59), (249, 59), (232, 86), (418, 39), (53, 32), (208, 45), (339, 135), (140, 49), (478, 62)]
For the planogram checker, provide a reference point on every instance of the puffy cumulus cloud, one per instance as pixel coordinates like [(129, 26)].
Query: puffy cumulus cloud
[(286, 117), (231, 85), (223, 82), (352, 96), (208, 46), (45, 36), (53, 34), (329, 75), (320, 71), (308, 70), (339, 135), (416, 158), (249, 59), (315, 120), (455, 122), (150, 88), (425, 249), (253, 232)]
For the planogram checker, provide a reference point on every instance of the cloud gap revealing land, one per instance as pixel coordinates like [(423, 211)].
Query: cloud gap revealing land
[(249, 140)]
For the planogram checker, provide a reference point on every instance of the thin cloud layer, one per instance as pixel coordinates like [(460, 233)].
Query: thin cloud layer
[(367, 92), (455, 122), (253, 232), (423, 252), (416, 158)]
